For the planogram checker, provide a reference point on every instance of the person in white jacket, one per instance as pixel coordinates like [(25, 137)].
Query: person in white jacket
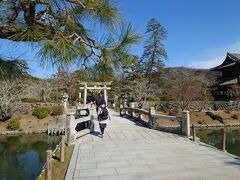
[(103, 117)]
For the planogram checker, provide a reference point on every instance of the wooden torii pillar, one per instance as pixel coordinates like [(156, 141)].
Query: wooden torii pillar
[(94, 86)]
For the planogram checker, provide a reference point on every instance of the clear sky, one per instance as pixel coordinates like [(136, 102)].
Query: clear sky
[(200, 32)]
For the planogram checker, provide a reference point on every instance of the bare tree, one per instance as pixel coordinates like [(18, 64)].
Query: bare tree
[(46, 89), (40, 89), (11, 93), (235, 91), (65, 82), (140, 90), (187, 90)]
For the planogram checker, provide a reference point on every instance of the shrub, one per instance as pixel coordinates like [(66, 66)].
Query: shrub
[(14, 125), (41, 112), (165, 109), (152, 98), (49, 100), (210, 98), (202, 122), (228, 111), (57, 110), (173, 112), (117, 109), (235, 116), (26, 112), (165, 98), (117, 106), (30, 100)]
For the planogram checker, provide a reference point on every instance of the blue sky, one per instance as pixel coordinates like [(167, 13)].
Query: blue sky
[(200, 32)]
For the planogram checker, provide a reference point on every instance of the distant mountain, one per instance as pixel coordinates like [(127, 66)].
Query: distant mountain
[(171, 75)]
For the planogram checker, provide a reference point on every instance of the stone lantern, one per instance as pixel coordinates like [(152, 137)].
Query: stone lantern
[(65, 100)]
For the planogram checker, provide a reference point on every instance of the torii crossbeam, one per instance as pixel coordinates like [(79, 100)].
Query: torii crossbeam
[(94, 86)]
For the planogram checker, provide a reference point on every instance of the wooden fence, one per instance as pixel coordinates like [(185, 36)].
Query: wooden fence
[(49, 155), (70, 123)]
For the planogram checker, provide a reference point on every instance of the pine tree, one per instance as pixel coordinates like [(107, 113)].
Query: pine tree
[(154, 51), (67, 30), (136, 68), (12, 69)]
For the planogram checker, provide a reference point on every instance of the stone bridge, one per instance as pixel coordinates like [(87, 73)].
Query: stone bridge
[(131, 151)]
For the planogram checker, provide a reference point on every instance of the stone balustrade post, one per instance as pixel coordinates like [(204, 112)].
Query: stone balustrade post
[(124, 104), (105, 94), (151, 122), (132, 106), (121, 110), (70, 129), (152, 111), (186, 123), (65, 102)]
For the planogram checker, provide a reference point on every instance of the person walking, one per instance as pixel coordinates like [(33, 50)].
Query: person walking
[(102, 112), (100, 100), (103, 117)]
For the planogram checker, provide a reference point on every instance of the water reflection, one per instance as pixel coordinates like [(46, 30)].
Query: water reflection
[(22, 157), (215, 138)]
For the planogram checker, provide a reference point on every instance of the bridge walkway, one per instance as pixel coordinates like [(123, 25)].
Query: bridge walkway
[(130, 151)]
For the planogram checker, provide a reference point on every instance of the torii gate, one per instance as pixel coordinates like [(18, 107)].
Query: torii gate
[(94, 86)]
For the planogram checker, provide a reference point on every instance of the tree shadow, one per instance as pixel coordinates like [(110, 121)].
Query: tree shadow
[(137, 122), (56, 158), (235, 162), (95, 133)]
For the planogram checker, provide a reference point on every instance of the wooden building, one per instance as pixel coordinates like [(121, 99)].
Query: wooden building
[(227, 86)]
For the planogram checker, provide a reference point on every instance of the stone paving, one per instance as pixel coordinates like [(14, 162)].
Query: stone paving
[(130, 151)]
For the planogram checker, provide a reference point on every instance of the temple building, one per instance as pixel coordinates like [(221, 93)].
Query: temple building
[(227, 86)]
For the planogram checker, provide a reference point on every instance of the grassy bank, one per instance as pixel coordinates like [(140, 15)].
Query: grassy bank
[(59, 169)]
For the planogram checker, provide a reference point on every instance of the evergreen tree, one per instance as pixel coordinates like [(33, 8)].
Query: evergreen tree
[(67, 30), (154, 51), (13, 69), (135, 68)]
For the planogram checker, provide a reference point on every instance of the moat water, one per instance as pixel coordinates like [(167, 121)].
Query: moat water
[(214, 137), (22, 157)]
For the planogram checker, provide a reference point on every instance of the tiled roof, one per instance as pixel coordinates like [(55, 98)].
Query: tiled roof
[(231, 81), (236, 56), (231, 60)]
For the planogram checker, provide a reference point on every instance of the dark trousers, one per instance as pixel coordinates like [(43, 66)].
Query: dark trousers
[(97, 113), (102, 127)]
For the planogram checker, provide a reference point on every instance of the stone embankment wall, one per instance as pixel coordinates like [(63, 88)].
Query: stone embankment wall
[(12, 133), (195, 105)]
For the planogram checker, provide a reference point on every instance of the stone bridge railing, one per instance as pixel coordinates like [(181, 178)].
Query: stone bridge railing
[(73, 125), (78, 126), (150, 119)]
